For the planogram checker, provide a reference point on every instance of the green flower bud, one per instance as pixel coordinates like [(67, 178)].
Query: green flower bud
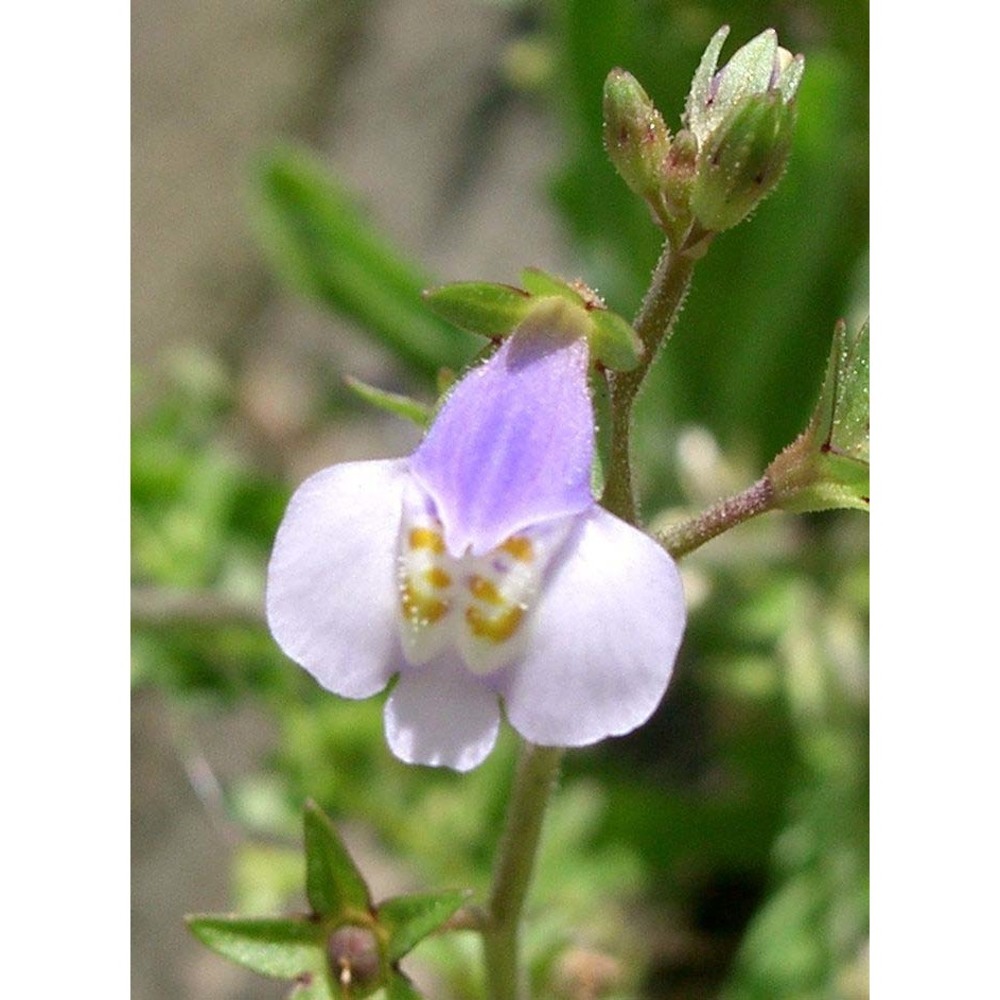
[(742, 117), (742, 161), (635, 135)]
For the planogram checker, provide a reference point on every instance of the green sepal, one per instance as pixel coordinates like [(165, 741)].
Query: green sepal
[(281, 947), (742, 161), (400, 988), (613, 342), (334, 886), (409, 919), (479, 306), (391, 402), (828, 466), (541, 283), (695, 111)]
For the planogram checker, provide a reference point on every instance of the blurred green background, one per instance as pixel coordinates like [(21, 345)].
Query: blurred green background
[(301, 171)]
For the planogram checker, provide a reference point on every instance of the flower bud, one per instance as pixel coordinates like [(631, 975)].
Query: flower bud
[(742, 117), (635, 135), (355, 960), (742, 161)]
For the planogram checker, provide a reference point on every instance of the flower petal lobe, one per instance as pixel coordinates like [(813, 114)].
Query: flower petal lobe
[(603, 639), (331, 586)]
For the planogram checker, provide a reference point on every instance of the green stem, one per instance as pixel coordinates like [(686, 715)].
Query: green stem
[(653, 323), (687, 536), (534, 780)]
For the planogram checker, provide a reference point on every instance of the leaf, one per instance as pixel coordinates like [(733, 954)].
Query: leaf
[(849, 432), (282, 947), (409, 919), (400, 988), (828, 465), (480, 307), (391, 402), (322, 245), (334, 885)]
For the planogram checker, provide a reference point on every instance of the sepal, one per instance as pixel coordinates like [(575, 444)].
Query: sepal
[(498, 310)]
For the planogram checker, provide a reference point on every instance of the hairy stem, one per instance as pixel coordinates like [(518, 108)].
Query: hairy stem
[(534, 780), (653, 323), (687, 536)]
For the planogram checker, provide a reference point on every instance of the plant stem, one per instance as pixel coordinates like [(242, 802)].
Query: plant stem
[(687, 536), (653, 323), (534, 780)]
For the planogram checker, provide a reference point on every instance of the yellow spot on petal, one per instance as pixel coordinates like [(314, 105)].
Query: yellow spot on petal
[(494, 628), (519, 547), (419, 608), (483, 590), (425, 538), (437, 577)]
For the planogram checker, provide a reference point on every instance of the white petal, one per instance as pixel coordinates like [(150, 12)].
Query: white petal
[(603, 639), (440, 714), (332, 596)]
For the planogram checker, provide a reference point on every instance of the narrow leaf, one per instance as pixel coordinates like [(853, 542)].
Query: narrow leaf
[(409, 919), (321, 244), (281, 947), (333, 883), (391, 402)]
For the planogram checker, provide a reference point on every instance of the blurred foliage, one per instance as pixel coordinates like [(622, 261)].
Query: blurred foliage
[(722, 849)]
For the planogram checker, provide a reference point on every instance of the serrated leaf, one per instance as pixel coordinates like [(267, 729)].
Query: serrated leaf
[(849, 432), (281, 947), (391, 402), (334, 885), (480, 307), (323, 246), (828, 465), (613, 342), (409, 919)]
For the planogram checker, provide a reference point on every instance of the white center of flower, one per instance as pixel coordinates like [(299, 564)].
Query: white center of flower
[(476, 604)]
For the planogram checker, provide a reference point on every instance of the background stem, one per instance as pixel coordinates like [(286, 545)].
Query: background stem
[(534, 779)]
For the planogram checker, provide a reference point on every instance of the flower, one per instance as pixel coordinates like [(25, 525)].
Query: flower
[(480, 570)]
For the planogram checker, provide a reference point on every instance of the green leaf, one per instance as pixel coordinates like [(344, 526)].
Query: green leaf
[(400, 988), (828, 466), (849, 429), (409, 919), (334, 886), (391, 402), (322, 246), (480, 307), (281, 947)]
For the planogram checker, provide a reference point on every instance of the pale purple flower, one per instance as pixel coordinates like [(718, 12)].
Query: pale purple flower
[(481, 571)]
